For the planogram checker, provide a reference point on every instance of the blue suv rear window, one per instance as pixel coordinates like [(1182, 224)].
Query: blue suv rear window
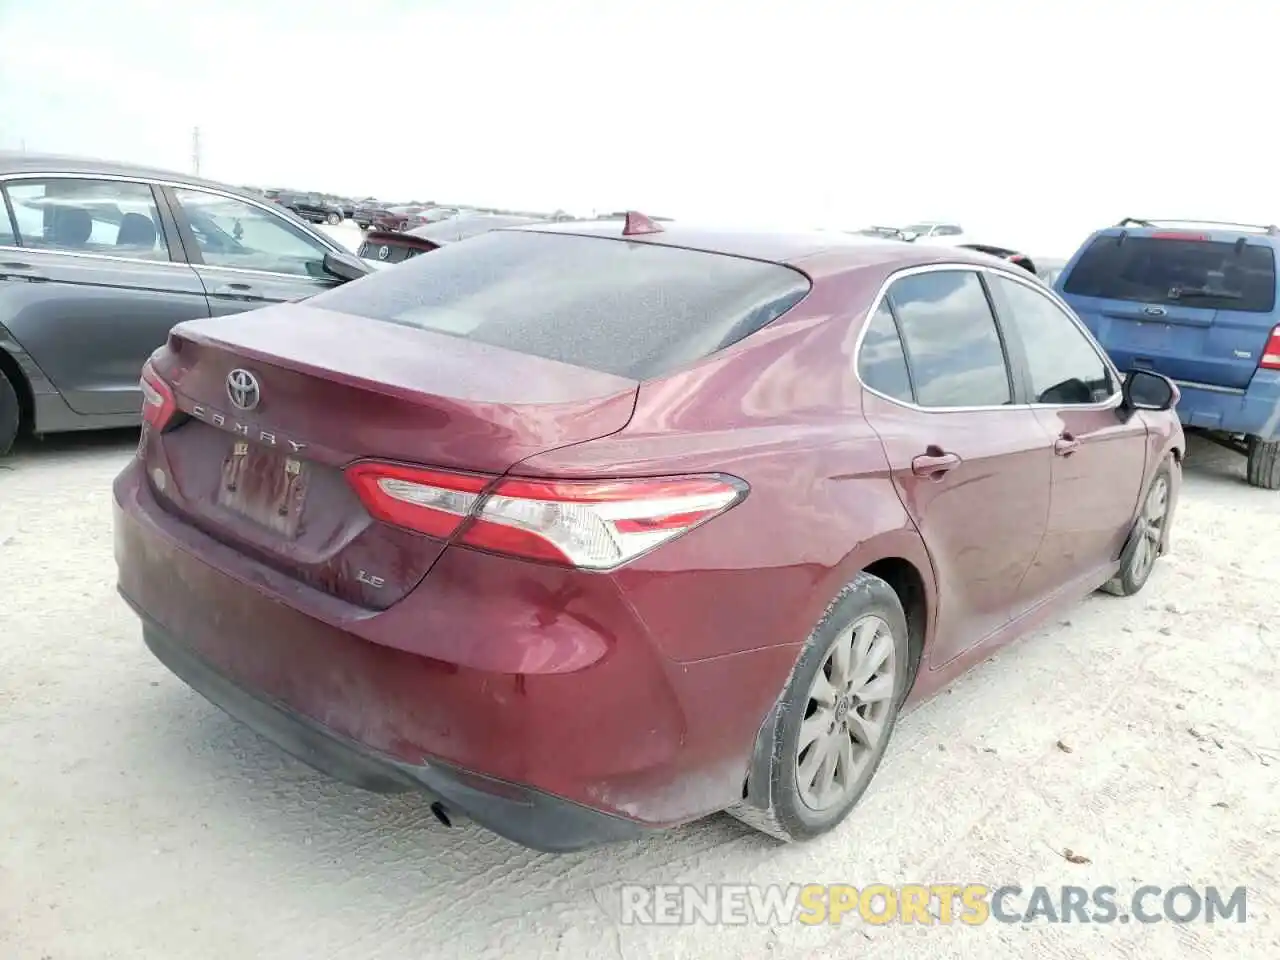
[(1177, 272)]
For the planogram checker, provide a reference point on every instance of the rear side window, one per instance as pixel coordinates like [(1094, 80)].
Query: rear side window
[(636, 310), (881, 363), (1194, 273), (956, 355), (1062, 365), (115, 218)]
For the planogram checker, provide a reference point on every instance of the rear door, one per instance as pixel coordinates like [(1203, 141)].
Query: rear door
[(92, 284), (1197, 307), (971, 465), (1099, 458), (246, 254)]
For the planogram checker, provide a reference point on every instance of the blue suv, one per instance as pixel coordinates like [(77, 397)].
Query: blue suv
[(1196, 301)]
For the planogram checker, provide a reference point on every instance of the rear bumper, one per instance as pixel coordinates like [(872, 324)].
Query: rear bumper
[(1255, 412), (529, 817), (522, 674)]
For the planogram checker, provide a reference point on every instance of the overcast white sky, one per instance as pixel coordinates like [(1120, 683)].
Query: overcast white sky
[(1031, 122)]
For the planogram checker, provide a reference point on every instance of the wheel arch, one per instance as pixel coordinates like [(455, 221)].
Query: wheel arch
[(10, 367), (900, 559), (909, 584)]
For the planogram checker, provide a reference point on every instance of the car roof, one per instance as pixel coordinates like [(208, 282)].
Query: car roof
[(812, 251), (1199, 229), (15, 161), (468, 225)]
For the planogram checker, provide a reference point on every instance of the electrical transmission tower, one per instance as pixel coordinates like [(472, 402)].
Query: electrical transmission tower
[(195, 151)]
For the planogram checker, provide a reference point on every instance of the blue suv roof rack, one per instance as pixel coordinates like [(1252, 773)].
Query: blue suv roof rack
[(1270, 230)]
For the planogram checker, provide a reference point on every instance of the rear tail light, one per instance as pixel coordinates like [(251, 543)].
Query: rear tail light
[(591, 525), (158, 401), (596, 525), (428, 501), (1271, 352)]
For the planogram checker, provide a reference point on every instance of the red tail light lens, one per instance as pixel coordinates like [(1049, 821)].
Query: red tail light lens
[(429, 501), (1271, 352), (158, 401), (591, 525), (596, 525)]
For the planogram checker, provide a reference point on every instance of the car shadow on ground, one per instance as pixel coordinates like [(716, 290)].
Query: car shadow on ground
[(317, 822), (1212, 464), (67, 446)]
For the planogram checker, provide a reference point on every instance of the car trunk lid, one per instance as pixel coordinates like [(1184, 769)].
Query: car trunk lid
[(331, 389)]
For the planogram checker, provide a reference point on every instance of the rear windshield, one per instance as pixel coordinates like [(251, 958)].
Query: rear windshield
[(1193, 273), (636, 310)]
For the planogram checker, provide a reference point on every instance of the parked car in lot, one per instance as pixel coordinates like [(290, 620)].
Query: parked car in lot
[(367, 211), (1196, 301), (98, 260), (1049, 269), (395, 218), (385, 247), (588, 529), (311, 207), (949, 235)]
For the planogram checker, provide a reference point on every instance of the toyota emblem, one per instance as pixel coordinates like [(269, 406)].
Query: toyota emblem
[(243, 389), (1154, 311)]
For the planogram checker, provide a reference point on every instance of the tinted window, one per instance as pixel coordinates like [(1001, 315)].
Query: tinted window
[(881, 363), (1063, 364), (88, 216), (1194, 273), (633, 309), (233, 233), (952, 343)]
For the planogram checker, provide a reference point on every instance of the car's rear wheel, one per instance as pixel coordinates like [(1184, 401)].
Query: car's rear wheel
[(825, 737), (10, 414), (1263, 466), (1150, 534), (333, 219)]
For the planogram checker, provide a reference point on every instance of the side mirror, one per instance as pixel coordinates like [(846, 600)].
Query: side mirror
[(345, 266), (1148, 390)]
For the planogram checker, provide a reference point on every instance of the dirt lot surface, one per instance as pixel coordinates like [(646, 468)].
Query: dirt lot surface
[(138, 821)]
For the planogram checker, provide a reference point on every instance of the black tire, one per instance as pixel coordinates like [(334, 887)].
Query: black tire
[(1264, 464), (333, 219), (1136, 560), (774, 802), (10, 414)]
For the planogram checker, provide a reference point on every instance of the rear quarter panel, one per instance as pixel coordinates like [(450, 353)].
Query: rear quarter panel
[(782, 411)]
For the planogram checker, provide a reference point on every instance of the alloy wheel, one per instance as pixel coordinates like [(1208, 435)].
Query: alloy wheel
[(849, 704), (1151, 528)]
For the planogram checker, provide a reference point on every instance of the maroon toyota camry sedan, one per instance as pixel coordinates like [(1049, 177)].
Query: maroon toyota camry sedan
[(589, 529)]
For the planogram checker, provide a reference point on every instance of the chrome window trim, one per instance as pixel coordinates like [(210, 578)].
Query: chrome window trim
[(96, 256), (1030, 283), (266, 207)]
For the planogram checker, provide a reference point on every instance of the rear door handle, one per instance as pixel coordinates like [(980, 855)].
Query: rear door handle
[(934, 464), (20, 271), (1065, 445), (234, 290)]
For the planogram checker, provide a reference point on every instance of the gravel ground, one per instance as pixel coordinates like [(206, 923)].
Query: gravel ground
[(138, 821)]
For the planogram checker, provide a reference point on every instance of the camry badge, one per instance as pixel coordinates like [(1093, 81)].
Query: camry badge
[(242, 389)]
